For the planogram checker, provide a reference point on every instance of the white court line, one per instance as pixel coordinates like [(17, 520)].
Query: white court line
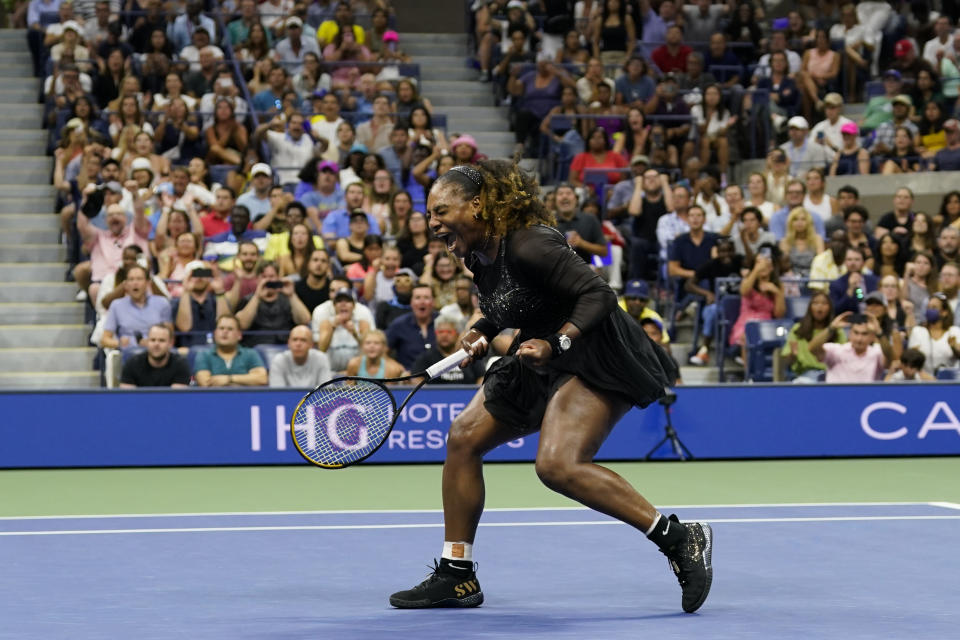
[(201, 514), (946, 505), (437, 525)]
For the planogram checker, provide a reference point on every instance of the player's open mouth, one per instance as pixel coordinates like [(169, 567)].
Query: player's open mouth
[(449, 239)]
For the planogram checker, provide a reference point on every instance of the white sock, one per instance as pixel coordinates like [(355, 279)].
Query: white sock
[(458, 551), (653, 525)]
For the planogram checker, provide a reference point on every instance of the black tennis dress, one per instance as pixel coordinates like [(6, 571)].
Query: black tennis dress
[(537, 284)]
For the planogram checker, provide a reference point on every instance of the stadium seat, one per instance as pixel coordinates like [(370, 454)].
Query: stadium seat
[(268, 351), (763, 338), (797, 307), (193, 352), (948, 374)]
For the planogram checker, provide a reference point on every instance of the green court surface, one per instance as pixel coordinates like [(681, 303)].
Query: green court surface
[(232, 489)]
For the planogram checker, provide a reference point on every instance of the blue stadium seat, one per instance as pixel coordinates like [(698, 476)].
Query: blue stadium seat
[(129, 352), (193, 352), (268, 351), (763, 339), (797, 307), (948, 374), (727, 316)]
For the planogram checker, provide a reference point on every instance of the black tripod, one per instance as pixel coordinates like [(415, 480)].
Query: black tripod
[(679, 449)]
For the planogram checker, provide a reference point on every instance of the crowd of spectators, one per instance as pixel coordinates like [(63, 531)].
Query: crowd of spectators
[(243, 174)]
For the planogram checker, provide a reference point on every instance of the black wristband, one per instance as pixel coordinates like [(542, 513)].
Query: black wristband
[(554, 342), (486, 327)]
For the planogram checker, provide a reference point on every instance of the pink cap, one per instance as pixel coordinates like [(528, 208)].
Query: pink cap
[(466, 139), (850, 127), (391, 36)]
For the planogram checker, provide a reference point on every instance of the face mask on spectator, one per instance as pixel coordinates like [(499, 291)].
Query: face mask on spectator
[(933, 315)]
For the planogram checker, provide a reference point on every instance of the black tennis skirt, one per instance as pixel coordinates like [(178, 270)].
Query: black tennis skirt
[(616, 357)]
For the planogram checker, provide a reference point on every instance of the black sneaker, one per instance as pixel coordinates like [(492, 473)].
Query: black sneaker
[(690, 562), (445, 587)]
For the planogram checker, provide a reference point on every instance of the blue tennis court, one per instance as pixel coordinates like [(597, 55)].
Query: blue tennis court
[(853, 570)]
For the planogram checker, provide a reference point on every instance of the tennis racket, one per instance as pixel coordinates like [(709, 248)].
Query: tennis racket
[(345, 420)]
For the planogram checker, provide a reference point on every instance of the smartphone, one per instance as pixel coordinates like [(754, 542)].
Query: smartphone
[(274, 284), (202, 273)]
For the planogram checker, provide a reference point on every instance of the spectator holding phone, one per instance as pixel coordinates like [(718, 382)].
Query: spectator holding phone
[(159, 365), (761, 297), (201, 303), (228, 364), (273, 307), (849, 290), (339, 326)]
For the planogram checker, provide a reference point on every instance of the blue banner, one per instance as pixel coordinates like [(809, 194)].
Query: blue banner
[(237, 427)]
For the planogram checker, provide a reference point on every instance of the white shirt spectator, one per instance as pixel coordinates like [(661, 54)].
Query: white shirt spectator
[(326, 311), (85, 82), (717, 212), (161, 101), (585, 89), (289, 155), (192, 55), (763, 66), (852, 36), (938, 352), (934, 46), (87, 9), (285, 372), (326, 129), (831, 132), (209, 101), (286, 55), (669, 227)]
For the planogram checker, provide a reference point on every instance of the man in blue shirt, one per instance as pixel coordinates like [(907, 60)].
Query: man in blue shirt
[(130, 318), (337, 223), (849, 290), (691, 250), (36, 28), (397, 156), (270, 100), (257, 199), (412, 333), (181, 30), (228, 364), (327, 194)]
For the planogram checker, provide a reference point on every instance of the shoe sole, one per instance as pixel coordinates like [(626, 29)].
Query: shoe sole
[(708, 561), (474, 600)]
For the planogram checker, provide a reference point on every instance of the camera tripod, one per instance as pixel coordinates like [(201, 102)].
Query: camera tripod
[(679, 449)]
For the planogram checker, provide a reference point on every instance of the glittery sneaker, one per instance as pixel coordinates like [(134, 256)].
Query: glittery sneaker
[(691, 562), (452, 584)]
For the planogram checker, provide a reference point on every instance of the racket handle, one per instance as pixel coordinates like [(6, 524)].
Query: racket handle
[(447, 363)]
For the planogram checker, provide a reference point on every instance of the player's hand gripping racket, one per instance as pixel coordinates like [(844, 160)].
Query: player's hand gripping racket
[(345, 420)]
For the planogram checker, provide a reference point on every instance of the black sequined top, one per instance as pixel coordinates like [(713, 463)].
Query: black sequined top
[(536, 284)]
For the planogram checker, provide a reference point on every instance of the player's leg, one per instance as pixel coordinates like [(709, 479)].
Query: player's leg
[(454, 584), (577, 421)]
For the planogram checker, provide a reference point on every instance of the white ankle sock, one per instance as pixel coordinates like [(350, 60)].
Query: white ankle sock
[(457, 551)]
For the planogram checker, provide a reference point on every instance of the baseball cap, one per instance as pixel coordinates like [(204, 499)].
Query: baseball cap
[(952, 124), (391, 36), (358, 147), (261, 167), (798, 122), (902, 48), (669, 76), (73, 123), (637, 289), (833, 99), (72, 24), (653, 321), (516, 4), (358, 213), (407, 271), (639, 158), (294, 21), (114, 186), (874, 296), (141, 164), (345, 292), (327, 165), (902, 99), (892, 73), (466, 139), (194, 265), (850, 127)]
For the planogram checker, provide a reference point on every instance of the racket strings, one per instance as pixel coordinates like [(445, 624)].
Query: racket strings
[(343, 422)]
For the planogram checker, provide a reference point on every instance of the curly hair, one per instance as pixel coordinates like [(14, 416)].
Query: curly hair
[(509, 197)]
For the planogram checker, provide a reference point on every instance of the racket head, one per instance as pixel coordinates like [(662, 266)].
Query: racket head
[(343, 421)]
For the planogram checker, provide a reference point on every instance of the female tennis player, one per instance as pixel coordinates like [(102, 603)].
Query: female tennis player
[(577, 365)]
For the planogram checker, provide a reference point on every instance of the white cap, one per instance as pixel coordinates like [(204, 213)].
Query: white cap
[(141, 164), (261, 167), (195, 264), (798, 122), (294, 20), (72, 24), (516, 4)]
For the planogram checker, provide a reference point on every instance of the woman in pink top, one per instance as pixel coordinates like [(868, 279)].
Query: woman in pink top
[(597, 155), (820, 67), (761, 297), (344, 48), (174, 260)]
